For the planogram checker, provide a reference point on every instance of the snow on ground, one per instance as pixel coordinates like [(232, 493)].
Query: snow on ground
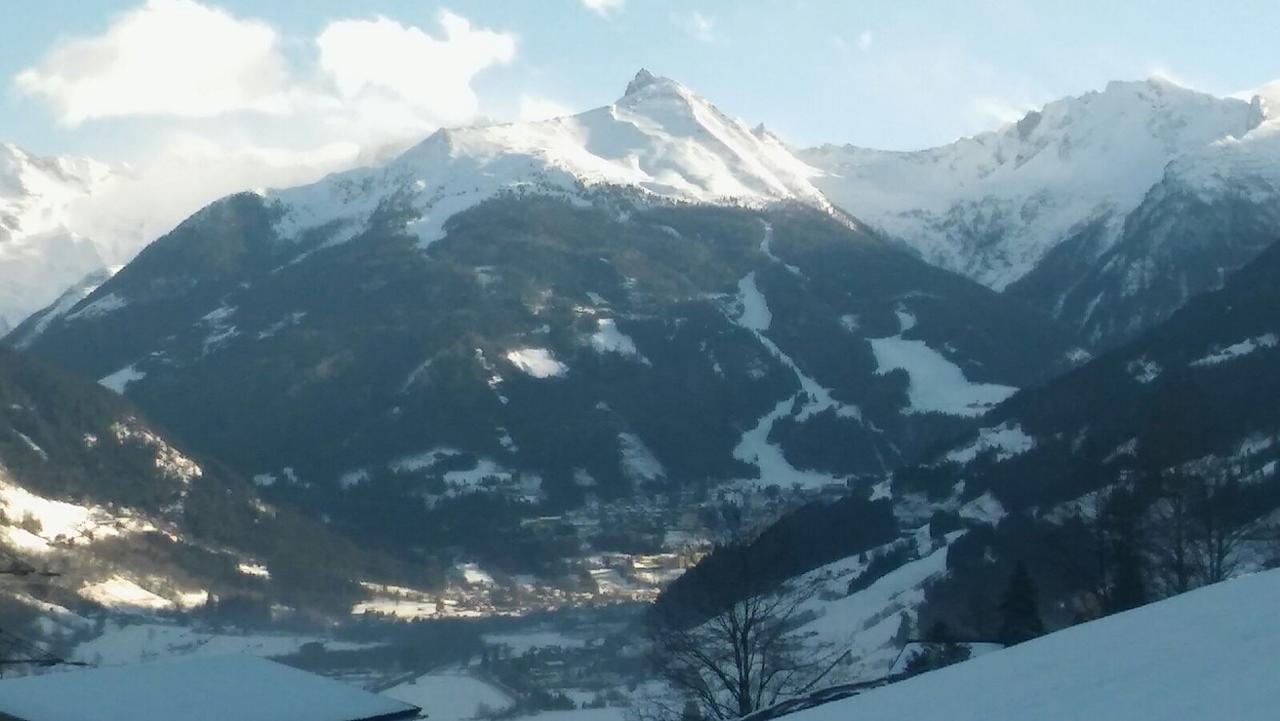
[(1255, 444), (399, 602), (608, 713), (102, 306), (121, 379), (168, 460), (754, 446), (1237, 350), (1207, 654), (205, 689), (766, 247), (867, 621), (254, 569), (755, 313), (985, 508), (936, 384), (608, 339), (1006, 439), (60, 307), (54, 518), (1144, 371), (473, 574), (451, 696), (121, 593), (459, 480), (35, 448), (131, 643), (993, 205), (661, 140), (537, 362), (638, 462), (36, 523)]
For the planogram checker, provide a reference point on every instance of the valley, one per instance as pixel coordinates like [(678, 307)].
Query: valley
[(475, 421)]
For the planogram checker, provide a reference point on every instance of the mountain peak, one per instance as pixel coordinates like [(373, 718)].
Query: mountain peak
[(642, 80)]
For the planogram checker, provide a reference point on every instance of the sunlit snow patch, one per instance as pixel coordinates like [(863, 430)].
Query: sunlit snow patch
[(102, 306), (537, 362), (638, 462), (755, 313), (451, 695), (121, 593), (608, 339), (121, 379), (936, 384), (754, 446), (254, 569)]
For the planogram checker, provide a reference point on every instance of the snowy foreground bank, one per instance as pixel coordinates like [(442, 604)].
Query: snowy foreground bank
[(1213, 653)]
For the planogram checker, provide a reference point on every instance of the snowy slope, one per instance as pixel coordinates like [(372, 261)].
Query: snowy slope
[(39, 256), (659, 138), (239, 687), (992, 206), (1203, 655)]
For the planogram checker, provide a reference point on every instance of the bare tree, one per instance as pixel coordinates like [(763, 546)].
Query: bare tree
[(1174, 528), (1108, 567), (1200, 522), (1222, 532), (734, 646)]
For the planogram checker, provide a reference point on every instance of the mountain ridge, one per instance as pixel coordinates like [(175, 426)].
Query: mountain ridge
[(1044, 207)]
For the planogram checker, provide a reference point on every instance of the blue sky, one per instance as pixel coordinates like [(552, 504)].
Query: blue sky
[(895, 74)]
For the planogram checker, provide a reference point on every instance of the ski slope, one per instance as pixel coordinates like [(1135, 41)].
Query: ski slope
[(1208, 654)]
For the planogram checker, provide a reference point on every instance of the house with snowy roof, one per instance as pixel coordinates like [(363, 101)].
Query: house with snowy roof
[(245, 688)]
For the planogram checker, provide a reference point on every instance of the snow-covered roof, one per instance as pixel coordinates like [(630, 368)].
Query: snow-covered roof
[(245, 688), (1207, 654)]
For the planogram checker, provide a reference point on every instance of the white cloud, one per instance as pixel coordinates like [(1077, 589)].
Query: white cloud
[(865, 40), (603, 7), (701, 27), (533, 107), (1159, 71), (697, 25), (167, 57), (182, 172), (994, 110), (206, 104), (401, 69)]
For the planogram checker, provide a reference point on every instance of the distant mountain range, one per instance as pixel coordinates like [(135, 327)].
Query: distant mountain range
[(1107, 211), (614, 314)]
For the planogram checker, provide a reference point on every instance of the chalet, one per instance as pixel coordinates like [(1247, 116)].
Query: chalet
[(245, 688)]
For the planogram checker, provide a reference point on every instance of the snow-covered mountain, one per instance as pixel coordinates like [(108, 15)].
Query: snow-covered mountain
[(524, 320), (659, 138), (1052, 207), (39, 255)]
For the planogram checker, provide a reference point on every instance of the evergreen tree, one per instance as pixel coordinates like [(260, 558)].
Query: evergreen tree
[(940, 648), (1128, 588), (1019, 609)]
